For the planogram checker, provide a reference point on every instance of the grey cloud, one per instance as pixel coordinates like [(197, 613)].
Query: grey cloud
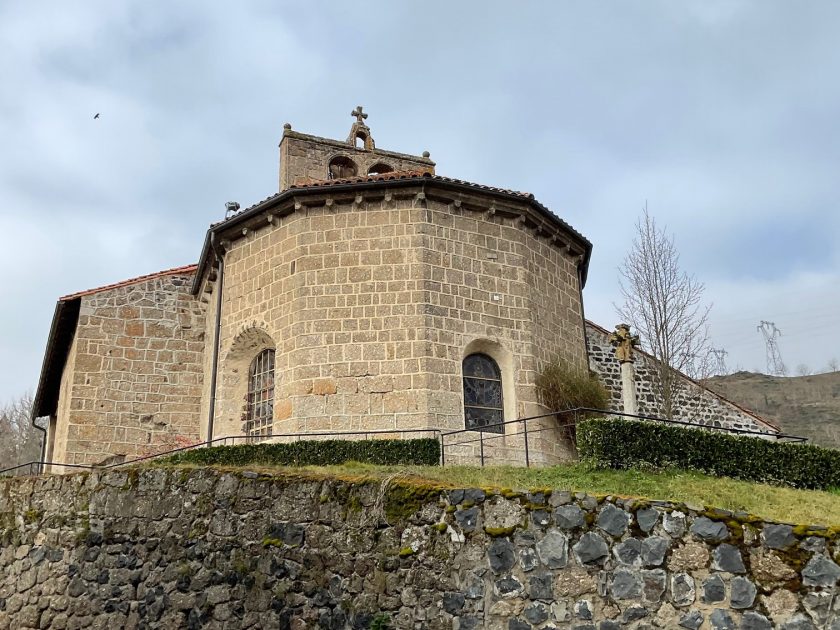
[(721, 114)]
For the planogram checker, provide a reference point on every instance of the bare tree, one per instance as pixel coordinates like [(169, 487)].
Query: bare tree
[(833, 365), (664, 304), (803, 370), (21, 442)]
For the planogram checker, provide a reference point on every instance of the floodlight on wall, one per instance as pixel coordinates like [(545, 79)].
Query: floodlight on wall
[(230, 208)]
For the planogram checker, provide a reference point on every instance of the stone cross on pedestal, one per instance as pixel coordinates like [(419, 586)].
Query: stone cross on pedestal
[(359, 114), (624, 342)]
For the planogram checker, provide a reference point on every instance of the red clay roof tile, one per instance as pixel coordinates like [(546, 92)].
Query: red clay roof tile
[(383, 177), (378, 177), (185, 270)]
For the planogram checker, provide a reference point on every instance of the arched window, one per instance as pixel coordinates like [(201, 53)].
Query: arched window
[(342, 167), (259, 414), (482, 394), (379, 168)]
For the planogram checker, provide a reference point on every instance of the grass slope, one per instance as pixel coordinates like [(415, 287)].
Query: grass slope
[(801, 405), (769, 502)]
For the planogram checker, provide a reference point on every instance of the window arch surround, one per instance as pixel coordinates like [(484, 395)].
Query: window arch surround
[(259, 410), (235, 361), (504, 362)]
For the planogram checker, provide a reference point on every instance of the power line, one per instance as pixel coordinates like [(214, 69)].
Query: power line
[(810, 320), (820, 310)]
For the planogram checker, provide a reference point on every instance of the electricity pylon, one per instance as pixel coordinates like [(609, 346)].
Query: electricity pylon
[(720, 361), (775, 365)]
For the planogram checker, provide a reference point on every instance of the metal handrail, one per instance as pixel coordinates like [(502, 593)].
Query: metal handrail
[(483, 437), (797, 438), (440, 436), (264, 438), (44, 463), (224, 440), (793, 438)]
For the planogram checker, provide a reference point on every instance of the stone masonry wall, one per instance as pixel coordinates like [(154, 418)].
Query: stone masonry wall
[(133, 377), (372, 304), (694, 403), (158, 548)]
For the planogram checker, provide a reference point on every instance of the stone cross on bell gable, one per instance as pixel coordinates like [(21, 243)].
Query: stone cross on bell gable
[(359, 114), (360, 131)]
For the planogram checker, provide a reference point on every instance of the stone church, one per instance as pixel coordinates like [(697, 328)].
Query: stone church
[(368, 293)]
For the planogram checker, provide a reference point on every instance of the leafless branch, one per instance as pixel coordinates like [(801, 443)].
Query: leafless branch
[(665, 305), (20, 442)]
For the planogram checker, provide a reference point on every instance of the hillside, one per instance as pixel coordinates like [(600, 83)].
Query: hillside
[(801, 405)]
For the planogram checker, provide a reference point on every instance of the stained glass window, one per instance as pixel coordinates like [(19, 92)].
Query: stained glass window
[(482, 394), (260, 411)]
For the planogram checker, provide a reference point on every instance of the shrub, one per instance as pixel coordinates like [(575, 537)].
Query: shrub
[(424, 452), (618, 443), (561, 386)]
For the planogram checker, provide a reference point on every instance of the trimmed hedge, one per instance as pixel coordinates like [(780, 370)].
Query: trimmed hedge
[(423, 452), (622, 444)]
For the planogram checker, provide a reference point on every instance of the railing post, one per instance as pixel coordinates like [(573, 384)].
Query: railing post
[(527, 455), (442, 450), (481, 444)]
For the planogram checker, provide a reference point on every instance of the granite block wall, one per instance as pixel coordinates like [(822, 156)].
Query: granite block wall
[(371, 304), (133, 378)]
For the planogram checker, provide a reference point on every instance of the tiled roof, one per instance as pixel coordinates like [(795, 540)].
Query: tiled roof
[(410, 177), (384, 177), (375, 177), (185, 270), (378, 177), (506, 191)]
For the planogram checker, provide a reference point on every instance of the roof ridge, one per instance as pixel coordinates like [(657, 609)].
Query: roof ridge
[(185, 269)]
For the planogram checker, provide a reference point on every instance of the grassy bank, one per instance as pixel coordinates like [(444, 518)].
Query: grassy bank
[(768, 502)]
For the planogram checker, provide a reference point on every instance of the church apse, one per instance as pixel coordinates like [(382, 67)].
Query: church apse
[(374, 297)]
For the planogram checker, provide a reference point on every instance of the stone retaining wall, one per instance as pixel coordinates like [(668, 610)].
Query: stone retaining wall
[(206, 549)]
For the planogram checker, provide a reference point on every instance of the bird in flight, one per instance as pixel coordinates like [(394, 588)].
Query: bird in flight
[(97, 116)]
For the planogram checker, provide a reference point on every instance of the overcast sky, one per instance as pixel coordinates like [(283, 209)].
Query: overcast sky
[(722, 116)]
